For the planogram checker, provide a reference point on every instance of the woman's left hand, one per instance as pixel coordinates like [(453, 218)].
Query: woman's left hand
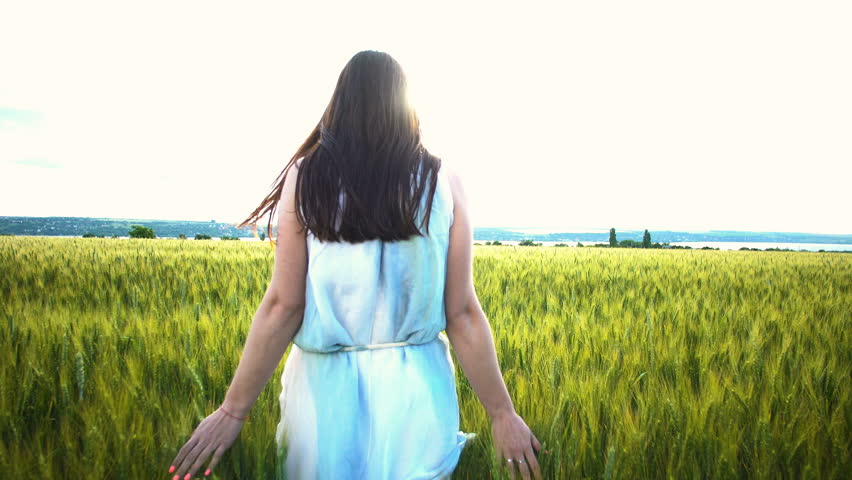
[(214, 435)]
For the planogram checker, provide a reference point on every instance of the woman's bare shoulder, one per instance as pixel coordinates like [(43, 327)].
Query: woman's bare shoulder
[(456, 181)]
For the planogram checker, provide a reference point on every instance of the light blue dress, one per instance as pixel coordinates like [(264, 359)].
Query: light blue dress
[(389, 411)]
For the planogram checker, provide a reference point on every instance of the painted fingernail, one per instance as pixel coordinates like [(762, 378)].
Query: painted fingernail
[(187, 476), (207, 473), (176, 477), (172, 469)]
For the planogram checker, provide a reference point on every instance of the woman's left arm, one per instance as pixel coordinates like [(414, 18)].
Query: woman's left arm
[(275, 323), (272, 330)]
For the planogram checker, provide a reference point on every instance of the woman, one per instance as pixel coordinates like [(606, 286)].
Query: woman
[(373, 261)]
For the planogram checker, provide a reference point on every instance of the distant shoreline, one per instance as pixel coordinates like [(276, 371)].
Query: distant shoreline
[(726, 246), (78, 226)]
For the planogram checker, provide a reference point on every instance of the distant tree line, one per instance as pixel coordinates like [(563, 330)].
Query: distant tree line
[(645, 243), (140, 231), (92, 235), (613, 243)]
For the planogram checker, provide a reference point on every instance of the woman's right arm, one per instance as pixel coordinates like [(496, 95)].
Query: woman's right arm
[(471, 338)]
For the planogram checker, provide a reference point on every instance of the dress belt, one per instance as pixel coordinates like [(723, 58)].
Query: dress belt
[(374, 346)]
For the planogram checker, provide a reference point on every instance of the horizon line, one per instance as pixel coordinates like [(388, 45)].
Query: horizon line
[(565, 229)]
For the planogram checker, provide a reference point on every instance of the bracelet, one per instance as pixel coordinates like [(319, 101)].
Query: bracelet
[(228, 414)]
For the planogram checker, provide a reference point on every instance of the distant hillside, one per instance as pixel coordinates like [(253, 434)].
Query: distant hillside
[(77, 226)]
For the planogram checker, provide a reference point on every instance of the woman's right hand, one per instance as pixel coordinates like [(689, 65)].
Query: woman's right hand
[(513, 439)]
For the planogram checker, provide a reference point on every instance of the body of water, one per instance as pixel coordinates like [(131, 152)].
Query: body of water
[(812, 247)]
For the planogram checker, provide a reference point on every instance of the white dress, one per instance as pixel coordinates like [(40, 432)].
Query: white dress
[(389, 411)]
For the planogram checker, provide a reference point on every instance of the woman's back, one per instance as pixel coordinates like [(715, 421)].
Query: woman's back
[(377, 292), (389, 411)]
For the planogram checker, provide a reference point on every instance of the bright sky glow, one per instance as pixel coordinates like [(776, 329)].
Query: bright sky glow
[(659, 115)]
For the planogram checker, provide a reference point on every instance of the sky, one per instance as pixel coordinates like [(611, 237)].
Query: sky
[(725, 115)]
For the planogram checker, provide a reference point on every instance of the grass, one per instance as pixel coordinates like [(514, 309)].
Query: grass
[(626, 363)]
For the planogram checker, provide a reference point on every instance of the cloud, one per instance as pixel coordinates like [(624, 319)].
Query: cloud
[(11, 118), (38, 163)]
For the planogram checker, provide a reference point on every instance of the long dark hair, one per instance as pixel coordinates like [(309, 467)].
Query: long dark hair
[(366, 150)]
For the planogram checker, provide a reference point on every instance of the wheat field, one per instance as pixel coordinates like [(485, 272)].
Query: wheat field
[(626, 363)]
